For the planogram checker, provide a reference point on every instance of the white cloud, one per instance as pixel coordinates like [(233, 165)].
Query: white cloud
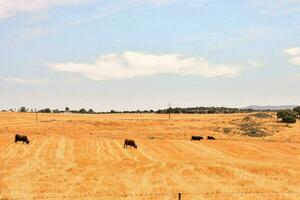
[(9, 8), (294, 54), (133, 64), (255, 63), (295, 51), (277, 7), (25, 81)]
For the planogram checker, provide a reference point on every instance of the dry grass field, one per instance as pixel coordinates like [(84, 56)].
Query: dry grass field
[(82, 157)]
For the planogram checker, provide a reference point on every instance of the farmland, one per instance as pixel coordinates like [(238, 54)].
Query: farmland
[(82, 157)]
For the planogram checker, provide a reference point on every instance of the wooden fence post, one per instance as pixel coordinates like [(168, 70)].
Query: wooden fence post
[(179, 196)]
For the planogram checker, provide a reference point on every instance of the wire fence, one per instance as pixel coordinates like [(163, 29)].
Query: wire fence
[(175, 196)]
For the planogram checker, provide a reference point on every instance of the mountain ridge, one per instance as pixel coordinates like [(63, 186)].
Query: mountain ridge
[(269, 107)]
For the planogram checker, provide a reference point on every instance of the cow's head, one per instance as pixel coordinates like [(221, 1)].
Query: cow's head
[(135, 146), (27, 141)]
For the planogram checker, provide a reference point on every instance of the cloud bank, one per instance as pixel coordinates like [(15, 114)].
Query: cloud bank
[(25, 81), (277, 7), (294, 54), (9, 8), (134, 64)]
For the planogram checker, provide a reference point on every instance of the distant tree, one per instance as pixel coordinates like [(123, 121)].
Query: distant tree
[(177, 110), (23, 109), (287, 116), (297, 111), (91, 111), (112, 111), (289, 119), (282, 113), (56, 111), (67, 109), (46, 110), (82, 111)]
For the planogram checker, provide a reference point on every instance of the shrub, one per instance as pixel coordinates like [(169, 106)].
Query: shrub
[(262, 115), (297, 111), (289, 119), (252, 129), (283, 113), (226, 130), (287, 116)]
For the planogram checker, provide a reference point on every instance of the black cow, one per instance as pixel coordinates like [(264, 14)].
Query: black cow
[(130, 143), (210, 138), (196, 138), (21, 138)]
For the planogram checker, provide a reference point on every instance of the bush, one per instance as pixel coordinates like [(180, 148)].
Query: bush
[(226, 130), (287, 116), (289, 119), (283, 113), (262, 115), (252, 129), (297, 110)]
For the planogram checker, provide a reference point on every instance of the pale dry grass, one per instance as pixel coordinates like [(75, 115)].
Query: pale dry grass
[(82, 157)]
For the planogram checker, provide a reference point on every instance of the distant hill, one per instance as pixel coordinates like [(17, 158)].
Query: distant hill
[(268, 107)]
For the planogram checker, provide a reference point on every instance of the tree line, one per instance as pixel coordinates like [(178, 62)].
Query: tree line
[(281, 114), (176, 110)]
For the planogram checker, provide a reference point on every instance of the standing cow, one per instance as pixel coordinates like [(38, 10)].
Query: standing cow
[(196, 138), (21, 138), (210, 138), (130, 143)]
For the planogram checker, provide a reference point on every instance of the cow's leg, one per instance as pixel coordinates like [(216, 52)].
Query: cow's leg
[(124, 146)]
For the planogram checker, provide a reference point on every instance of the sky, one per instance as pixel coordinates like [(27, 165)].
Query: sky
[(146, 54)]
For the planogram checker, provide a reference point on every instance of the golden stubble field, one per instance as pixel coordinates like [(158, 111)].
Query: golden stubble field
[(82, 157)]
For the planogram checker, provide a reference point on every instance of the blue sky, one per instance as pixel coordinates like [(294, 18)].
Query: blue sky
[(145, 54)]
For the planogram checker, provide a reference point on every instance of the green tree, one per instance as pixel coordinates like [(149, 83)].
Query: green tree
[(46, 110), (82, 110), (67, 109), (287, 116), (289, 119), (283, 113), (23, 109), (56, 111), (297, 111)]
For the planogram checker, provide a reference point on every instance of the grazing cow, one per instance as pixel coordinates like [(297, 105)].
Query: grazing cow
[(210, 138), (21, 138), (196, 138), (130, 143)]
